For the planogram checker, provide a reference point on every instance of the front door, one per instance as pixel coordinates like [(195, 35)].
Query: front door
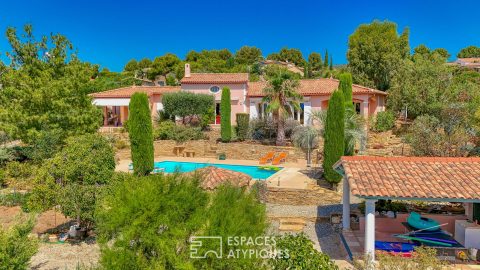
[(217, 113)]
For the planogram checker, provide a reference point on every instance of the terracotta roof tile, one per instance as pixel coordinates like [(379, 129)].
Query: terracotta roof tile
[(198, 78), (126, 92), (413, 177), (313, 87), (212, 177)]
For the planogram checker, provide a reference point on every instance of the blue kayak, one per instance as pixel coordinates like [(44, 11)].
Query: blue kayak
[(394, 246), (422, 223)]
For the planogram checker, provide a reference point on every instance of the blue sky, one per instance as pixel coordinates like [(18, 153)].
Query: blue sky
[(110, 33)]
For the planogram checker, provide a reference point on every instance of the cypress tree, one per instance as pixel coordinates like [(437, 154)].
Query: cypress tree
[(345, 86), (225, 114), (334, 144), (306, 71), (140, 133), (331, 63), (325, 64)]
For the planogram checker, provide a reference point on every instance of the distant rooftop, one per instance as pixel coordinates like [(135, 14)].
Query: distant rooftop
[(313, 87), (200, 78)]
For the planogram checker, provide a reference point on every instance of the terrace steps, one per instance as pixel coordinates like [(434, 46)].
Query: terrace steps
[(292, 224)]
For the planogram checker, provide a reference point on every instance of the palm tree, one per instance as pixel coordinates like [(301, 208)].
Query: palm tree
[(282, 98), (306, 138), (355, 131)]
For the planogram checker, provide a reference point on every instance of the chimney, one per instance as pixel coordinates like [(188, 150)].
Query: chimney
[(187, 70)]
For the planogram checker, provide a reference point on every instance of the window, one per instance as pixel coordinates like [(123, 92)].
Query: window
[(214, 89)]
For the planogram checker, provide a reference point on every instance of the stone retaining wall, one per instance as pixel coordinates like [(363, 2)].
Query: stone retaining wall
[(288, 196), (234, 150)]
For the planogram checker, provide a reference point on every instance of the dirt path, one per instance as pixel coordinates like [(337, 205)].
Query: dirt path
[(65, 256)]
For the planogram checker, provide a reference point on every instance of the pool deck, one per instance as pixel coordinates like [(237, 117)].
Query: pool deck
[(289, 177)]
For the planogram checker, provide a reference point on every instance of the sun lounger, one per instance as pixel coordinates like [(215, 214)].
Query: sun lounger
[(282, 157), (267, 158)]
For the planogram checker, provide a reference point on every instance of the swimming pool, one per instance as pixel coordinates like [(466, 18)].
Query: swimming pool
[(176, 166)]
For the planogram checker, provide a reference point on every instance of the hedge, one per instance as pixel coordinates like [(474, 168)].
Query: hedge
[(243, 122), (140, 133), (384, 121)]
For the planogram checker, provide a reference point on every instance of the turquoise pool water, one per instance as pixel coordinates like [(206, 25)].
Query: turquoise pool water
[(175, 166)]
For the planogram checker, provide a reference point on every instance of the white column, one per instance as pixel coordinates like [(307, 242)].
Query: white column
[(370, 229), (346, 204), (253, 110), (364, 109), (307, 112)]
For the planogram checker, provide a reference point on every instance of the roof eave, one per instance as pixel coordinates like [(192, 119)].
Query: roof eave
[(460, 200)]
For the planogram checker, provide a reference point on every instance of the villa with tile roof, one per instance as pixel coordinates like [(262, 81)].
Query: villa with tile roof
[(246, 97)]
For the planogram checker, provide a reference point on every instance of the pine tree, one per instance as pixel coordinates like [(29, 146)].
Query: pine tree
[(334, 144), (325, 63), (225, 114), (140, 132)]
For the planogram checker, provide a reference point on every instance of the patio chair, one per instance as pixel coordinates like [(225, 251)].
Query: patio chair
[(267, 158), (130, 167), (282, 157)]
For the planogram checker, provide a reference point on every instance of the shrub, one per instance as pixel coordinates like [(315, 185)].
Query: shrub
[(183, 133), (164, 131), (207, 118), (430, 136), (170, 131), (384, 121), (16, 247), (423, 258), (243, 120), (183, 104), (13, 199), (262, 128), (301, 254), (225, 115), (141, 134), (2, 177), (74, 177), (334, 136), (162, 116), (6, 155), (20, 174), (290, 125), (147, 222), (120, 144), (234, 212)]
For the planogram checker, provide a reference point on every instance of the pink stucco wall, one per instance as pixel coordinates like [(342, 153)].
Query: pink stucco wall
[(237, 95), (375, 103)]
